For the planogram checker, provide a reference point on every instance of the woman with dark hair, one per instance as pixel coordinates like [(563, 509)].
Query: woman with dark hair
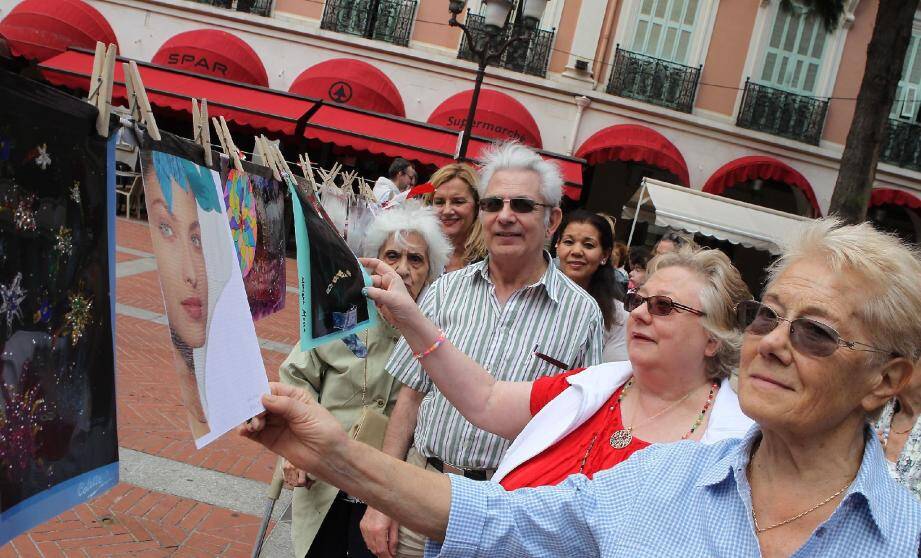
[(584, 243)]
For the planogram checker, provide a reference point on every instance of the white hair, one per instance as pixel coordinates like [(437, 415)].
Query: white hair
[(514, 156), (887, 268), (400, 220)]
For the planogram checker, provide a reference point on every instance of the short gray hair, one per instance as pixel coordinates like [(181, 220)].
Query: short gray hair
[(723, 290), (890, 270), (400, 220), (514, 156)]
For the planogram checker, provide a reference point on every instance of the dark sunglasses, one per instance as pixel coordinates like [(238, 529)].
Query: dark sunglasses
[(658, 305), (807, 336), (495, 204)]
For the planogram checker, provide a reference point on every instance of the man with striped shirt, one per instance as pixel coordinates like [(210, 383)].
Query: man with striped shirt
[(501, 312)]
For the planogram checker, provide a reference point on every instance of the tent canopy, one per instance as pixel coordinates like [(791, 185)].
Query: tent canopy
[(678, 207)]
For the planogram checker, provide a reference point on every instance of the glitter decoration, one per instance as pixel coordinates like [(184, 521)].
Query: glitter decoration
[(19, 427), (11, 300), (79, 317), (43, 314), (75, 192), (63, 242), (44, 159), (24, 216)]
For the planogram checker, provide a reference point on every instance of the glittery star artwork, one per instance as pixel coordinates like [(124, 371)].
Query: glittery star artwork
[(44, 159), (63, 242), (75, 192), (11, 298), (25, 216), (79, 317), (19, 426)]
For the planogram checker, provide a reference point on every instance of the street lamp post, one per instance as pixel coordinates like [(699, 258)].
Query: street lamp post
[(488, 47)]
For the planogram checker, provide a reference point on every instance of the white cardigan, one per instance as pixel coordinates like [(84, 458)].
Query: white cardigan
[(587, 392)]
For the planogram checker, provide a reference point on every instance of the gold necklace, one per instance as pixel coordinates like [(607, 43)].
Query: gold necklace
[(623, 437), (759, 529)]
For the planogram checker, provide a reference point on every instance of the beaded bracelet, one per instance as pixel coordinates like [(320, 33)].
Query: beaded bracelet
[(438, 341)]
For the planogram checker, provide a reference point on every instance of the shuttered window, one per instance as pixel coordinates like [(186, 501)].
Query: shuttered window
[(794, 54), (907, 105), (664, 29)]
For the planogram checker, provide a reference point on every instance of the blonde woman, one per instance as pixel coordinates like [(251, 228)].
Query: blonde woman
[(456, 202)]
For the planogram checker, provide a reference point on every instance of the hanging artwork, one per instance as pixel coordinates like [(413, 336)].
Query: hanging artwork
[(217, 356), (255, 206), (58, 444), (330, 279)]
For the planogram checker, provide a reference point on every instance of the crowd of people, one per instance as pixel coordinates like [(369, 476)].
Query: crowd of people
[(549, 392)]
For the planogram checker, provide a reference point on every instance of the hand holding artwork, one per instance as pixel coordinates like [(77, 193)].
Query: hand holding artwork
[(298, 428), (389, 292)]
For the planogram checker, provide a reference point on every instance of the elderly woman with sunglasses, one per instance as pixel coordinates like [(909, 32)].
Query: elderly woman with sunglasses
[(683, 343), (834, 338)]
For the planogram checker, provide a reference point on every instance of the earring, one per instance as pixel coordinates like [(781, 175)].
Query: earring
[(604, 262)]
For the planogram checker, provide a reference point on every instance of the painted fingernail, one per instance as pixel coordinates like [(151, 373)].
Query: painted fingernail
[(364, 291)]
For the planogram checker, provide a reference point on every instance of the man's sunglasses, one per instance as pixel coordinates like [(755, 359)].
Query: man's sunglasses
[(807, 336), (495, 204), (658, 305)]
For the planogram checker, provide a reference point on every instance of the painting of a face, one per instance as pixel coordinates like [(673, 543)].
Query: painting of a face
[(176, 237)]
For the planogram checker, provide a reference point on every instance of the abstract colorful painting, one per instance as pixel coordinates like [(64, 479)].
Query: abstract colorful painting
[(255, 205), (58, 444), (330, 279), (219, 364)]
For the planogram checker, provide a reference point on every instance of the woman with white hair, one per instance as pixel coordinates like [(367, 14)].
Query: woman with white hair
[(325, 523), (833, 338)]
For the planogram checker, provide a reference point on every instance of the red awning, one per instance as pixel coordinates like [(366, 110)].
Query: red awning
[(278, 112), (351, 82), (40, 29), (754, 167), (632, 142), (880, 196), (498, 116), (212, 52)]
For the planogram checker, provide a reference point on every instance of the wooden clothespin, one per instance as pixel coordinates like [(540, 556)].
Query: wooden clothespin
[(264, 151), (136, 91), (100, 95), (232, 150), (348, 178), (329, 176), (307, 169), (201, 128), (220, 135), (280, 159)]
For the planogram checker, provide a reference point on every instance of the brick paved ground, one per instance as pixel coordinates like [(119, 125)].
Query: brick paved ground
[(134, 521)]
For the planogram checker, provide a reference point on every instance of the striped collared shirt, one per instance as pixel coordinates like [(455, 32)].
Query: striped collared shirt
[(554, 315)]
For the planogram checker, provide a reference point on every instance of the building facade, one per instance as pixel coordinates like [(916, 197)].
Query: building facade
[(743, 98)]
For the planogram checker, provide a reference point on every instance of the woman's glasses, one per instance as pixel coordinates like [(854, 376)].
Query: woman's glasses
[(658, 305), (495, 204), (807, 336)]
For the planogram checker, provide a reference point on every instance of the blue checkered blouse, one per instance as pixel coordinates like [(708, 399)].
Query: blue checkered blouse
[(682, 499)]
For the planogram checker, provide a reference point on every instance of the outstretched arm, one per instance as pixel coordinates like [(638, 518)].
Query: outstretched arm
[(502, 408)]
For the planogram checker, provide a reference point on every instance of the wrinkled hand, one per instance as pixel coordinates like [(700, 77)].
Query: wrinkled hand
[(389, 292), (296, 427), (381, 533), (296, 477)]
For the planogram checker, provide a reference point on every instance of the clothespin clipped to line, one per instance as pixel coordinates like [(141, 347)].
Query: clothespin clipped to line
[(138, 103), (201, 128), (348, 178), (230, 148), (101, 82)]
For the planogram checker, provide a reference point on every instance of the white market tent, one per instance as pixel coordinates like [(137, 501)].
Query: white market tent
[(679, 207)]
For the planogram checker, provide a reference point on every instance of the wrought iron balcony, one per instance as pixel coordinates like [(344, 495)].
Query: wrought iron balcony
[(902, 144), (778, 112), (653, 80), (383, 20), (258, 7), (530, 56)]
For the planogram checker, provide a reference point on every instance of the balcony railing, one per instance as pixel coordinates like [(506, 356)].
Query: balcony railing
[(781, 113), (258, 7), (654, 81), (902, 144), (530, 56), (383, 20)]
